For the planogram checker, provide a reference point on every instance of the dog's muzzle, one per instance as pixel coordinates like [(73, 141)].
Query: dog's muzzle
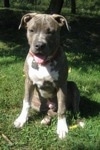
[(42, 59)]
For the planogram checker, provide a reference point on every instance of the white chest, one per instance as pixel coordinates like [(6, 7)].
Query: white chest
[(43, 73)]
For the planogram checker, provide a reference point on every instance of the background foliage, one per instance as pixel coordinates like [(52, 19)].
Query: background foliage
[(83, 6)]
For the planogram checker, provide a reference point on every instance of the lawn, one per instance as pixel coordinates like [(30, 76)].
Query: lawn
[(82, 47)]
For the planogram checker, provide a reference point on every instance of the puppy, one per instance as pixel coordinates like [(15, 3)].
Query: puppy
[(46, 71)]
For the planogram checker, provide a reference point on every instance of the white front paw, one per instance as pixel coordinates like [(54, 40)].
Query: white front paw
[(62, 128), (19, 122)]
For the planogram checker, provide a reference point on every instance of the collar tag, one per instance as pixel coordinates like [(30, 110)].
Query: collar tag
[(35, 65)]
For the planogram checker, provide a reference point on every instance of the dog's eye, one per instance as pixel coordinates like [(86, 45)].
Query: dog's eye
[(31, 30), (50, 32)]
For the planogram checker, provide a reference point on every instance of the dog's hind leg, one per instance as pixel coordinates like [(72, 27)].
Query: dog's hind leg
[(19, 122), (74, 98)]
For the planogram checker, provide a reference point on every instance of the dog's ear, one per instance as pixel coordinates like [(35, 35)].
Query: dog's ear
[(25, 19), (61, 20)]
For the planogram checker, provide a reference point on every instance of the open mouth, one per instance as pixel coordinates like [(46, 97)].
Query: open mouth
[(39, 58)]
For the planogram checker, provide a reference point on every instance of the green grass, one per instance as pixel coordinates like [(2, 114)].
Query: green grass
[(82, 49)]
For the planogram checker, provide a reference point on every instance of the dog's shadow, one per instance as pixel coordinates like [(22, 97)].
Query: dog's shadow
[(89, 108)]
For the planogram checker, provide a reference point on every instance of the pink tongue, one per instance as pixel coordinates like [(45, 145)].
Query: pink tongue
[(39, 59)]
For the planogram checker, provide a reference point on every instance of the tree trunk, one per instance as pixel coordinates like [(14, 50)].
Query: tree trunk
[(6, 3), (55, 6), (73, 6)]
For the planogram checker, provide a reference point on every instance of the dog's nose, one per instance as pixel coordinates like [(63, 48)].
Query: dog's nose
[(40, 45)]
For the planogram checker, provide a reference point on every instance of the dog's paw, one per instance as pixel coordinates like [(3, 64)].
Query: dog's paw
[(62, 128), (46, 120), (19, 122)]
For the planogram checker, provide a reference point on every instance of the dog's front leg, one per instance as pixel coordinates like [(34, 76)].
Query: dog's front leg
[(62, 127), (19, 122)]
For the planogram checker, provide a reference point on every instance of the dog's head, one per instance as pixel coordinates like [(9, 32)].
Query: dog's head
[(43, 33)]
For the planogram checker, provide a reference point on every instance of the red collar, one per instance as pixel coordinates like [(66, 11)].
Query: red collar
[(54, 55)]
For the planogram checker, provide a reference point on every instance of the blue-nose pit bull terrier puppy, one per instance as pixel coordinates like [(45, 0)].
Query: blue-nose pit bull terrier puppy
[(46, 71)]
